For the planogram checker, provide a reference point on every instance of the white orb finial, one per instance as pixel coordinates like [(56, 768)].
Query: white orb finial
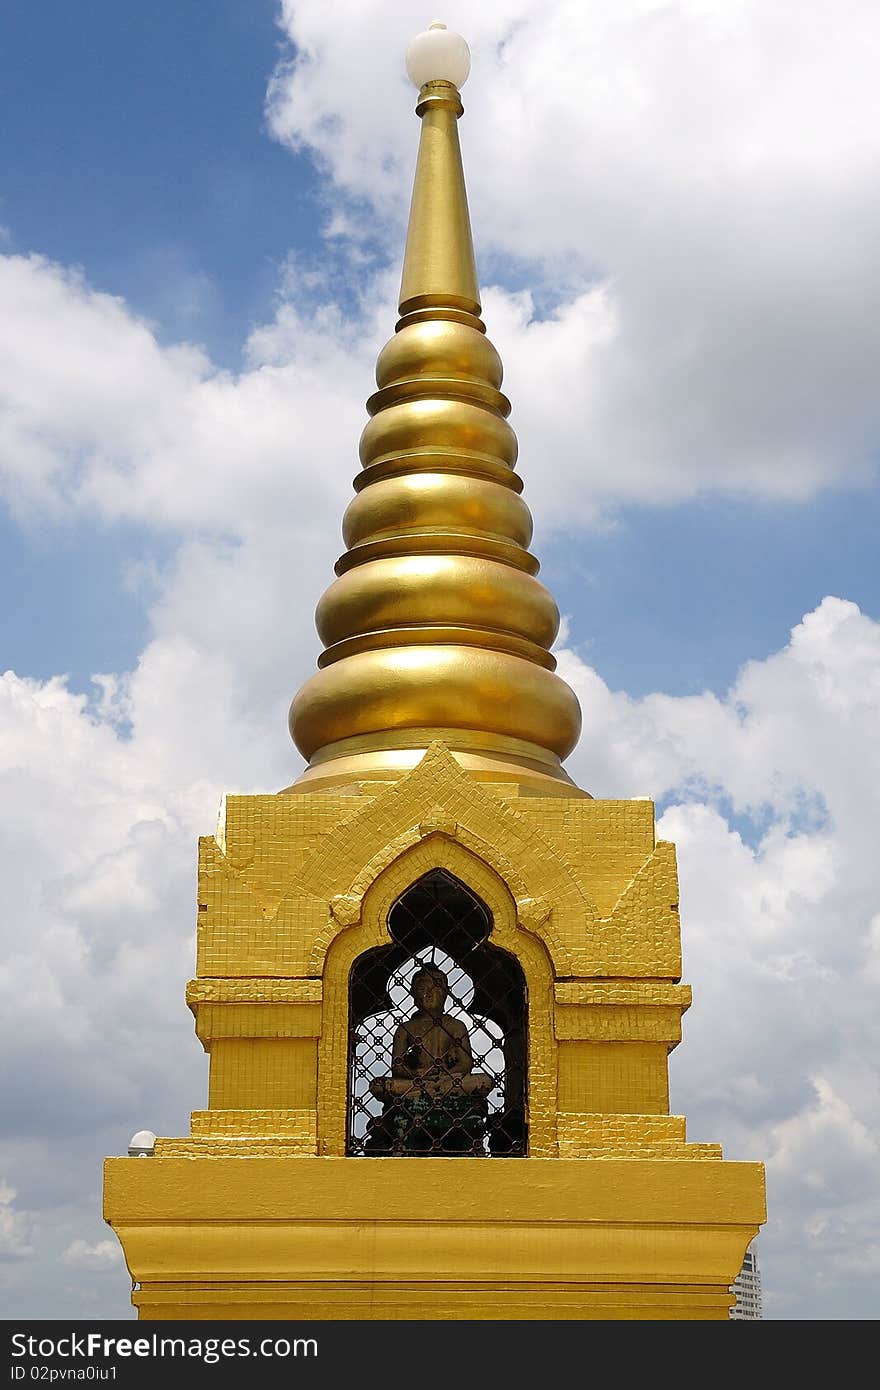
[(141, 1145), (438, 55)]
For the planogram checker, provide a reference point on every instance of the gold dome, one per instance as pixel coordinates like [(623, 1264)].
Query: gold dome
[(436, 626)]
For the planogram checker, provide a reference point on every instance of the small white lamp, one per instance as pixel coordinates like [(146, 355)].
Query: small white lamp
[(141, 1145), (438, 55)]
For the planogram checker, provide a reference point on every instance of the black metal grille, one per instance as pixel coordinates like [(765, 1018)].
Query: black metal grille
[(437, 1039)]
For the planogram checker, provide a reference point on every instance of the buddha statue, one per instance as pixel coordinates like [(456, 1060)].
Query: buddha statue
[(433, 1101)]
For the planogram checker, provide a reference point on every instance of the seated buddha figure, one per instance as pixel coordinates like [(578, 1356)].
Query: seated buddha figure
[(433, 1099)]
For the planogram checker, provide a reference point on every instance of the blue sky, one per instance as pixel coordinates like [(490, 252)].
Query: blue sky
[(144, 161), (147, 163), (687, 310)]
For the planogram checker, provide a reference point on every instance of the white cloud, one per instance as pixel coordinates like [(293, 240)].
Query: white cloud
[(98, 1256), (15, 1226), (100, 833), (714, 329), (693, 183), (247, 476), (95, 414), (772, 796), (701, 213)]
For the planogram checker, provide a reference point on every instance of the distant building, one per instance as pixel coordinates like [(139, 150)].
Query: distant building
[(747, 1288)]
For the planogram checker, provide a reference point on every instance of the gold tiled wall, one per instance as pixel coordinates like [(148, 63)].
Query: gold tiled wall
[(263, 1074), (625, 1078), (287, 874)]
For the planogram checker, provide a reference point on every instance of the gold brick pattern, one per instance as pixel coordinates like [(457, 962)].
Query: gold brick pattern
[(258, 1021), (652, 1151), (253, 991), (249, 1124), (259, 1213), (294, 887), (606, 842), (245, 1133), (370, 931), (234, 1148), (628, 1136), (601, 1022), (625, 1077), (263, 1074), (622, 1131), (622, 992)]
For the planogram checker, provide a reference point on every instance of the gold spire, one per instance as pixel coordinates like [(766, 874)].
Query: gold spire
[(436, 627), (438, 264)]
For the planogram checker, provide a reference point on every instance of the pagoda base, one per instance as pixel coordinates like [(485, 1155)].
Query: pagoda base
[(308, 1238)]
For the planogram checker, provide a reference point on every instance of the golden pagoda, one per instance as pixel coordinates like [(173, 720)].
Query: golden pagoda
[(438, 983)]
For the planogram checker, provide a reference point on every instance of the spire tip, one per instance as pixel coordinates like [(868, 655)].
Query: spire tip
[(438, 55)]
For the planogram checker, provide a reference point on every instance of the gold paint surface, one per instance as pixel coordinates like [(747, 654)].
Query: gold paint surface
[(437, 502), (439, 259), (441, 590), (438, 348), (378, 692), (549, 1191), (436, 621), (270, 1235), (438, 422), (429, 636), (435, 731), (613, 1214)]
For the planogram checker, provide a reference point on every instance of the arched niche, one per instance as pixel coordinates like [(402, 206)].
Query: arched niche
[(371, 930), (448, 1082)]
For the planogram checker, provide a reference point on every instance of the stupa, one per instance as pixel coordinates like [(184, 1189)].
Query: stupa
[(438, 982)]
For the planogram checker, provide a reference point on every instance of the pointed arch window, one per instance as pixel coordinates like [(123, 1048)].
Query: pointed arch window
[(437, 1033)]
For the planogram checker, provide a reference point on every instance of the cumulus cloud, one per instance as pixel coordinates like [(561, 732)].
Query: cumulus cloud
[(244, 477), (691, 186), (688, 189), (770, 793), (14, 1226), (677, 217), (99, 890), (677, 222), (777, 888), (95, 414), (97, 1256)]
